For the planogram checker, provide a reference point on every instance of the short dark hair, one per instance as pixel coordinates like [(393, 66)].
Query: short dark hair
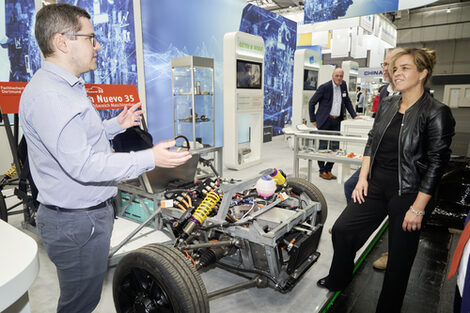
[(55, 19)]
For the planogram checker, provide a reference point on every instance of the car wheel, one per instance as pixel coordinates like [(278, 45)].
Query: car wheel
[(158, 278)]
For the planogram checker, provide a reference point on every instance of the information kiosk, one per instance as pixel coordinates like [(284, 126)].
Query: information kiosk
[(243, 99), (306, 70)]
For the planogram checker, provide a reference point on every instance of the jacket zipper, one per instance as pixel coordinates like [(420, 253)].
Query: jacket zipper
[(377, 148), (399, 154)]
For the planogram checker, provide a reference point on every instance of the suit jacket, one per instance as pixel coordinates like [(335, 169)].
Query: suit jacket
[(383, 92), (324, 97)]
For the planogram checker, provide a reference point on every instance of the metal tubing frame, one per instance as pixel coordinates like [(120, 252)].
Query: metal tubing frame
[(13, 140), (133, 233), (232, 289), (224, 243)]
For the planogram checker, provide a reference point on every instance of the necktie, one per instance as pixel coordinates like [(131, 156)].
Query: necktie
[(454, 265)]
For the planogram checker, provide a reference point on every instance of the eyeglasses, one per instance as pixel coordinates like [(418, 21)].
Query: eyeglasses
[(384, 64), (92, 37)]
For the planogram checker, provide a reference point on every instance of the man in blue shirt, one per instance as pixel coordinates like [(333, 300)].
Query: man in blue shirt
[(70, 156)]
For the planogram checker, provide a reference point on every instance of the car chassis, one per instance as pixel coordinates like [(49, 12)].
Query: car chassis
[(271, 241)]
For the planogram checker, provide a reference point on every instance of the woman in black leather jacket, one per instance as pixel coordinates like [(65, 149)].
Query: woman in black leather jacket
[(404, 159)]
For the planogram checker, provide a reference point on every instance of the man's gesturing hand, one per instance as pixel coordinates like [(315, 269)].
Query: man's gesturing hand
[(164, 157), (130, 116)]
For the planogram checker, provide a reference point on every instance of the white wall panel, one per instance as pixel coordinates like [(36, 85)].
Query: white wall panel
[(358, 44), (377, 54), (340, 43), (320, 38)]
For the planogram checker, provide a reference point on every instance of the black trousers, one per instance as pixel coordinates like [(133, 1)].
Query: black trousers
[(355, 225)]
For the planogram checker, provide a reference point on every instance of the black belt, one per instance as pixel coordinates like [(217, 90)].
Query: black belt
[(95, 207)]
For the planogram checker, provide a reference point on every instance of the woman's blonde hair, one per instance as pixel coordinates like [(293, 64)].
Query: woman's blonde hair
[(424, 59)]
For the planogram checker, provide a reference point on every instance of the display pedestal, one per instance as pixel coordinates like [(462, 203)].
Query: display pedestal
[(306, 68)]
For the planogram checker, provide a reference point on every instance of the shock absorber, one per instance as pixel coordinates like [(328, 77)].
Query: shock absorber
[(202, 211), (8, 174)]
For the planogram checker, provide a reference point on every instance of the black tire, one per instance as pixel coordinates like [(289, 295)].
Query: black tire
[(158, 278), (300, 185), (3, 208)]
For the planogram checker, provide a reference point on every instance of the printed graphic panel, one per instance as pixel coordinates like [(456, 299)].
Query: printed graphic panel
[(279, 34), (19, 53), (113, 22), (325, 10), (178, 28)]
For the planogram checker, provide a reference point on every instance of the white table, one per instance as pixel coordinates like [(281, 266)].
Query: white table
[(19, 266), (311, 155)]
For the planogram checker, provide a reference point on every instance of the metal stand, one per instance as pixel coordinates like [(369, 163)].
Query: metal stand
[(13, 140)]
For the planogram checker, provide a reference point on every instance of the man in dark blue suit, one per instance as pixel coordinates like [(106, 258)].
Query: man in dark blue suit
[(332, 98)]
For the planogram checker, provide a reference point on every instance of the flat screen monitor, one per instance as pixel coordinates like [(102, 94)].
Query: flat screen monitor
[(352, 83), (249, 74), (310, 79)]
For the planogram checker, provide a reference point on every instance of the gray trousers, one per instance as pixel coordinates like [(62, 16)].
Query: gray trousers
[(78, 244)]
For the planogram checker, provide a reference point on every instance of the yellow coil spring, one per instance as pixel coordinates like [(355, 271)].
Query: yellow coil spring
[(11, 172), (206, 206)]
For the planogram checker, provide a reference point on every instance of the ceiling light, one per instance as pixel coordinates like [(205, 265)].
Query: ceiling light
[(448, 10)]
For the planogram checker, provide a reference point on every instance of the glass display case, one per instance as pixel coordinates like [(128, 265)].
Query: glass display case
[(192, 81)]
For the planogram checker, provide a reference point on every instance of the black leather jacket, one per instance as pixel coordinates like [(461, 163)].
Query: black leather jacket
[(424, 140)]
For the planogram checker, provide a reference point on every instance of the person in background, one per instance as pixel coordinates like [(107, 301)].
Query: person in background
[(333, 99), (375, 103), (460, 265), (359, 100), (70, 156), (404, 159)]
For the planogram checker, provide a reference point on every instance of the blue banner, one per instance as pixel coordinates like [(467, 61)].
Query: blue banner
[(21, 57), (113, 22), (279, 34), (175, 28), (325, 10)]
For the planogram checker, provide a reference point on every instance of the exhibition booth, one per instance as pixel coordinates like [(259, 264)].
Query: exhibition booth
[(226, 78)]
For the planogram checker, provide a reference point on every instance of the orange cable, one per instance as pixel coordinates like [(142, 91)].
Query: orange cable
[(187, 254)]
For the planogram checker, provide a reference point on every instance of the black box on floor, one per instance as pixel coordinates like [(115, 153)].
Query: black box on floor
[(267, 133)]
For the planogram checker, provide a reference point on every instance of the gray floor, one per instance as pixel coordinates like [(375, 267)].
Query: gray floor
[(305, 297)]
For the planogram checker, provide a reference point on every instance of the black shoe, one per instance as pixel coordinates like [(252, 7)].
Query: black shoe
[(322, 282)]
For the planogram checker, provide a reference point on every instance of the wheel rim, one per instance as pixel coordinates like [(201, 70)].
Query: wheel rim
[(140, 292)]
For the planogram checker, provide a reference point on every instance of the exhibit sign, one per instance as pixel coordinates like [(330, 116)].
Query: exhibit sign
[(10, 94), (110, 97), (370, 72), (326, 10), (103, 97), (249, 47)]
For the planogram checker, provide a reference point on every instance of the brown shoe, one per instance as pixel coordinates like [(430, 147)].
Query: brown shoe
[(381, 263), (331, 175), (325, 175)]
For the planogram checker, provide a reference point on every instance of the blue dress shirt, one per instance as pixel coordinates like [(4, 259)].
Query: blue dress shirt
[(69, 151)]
